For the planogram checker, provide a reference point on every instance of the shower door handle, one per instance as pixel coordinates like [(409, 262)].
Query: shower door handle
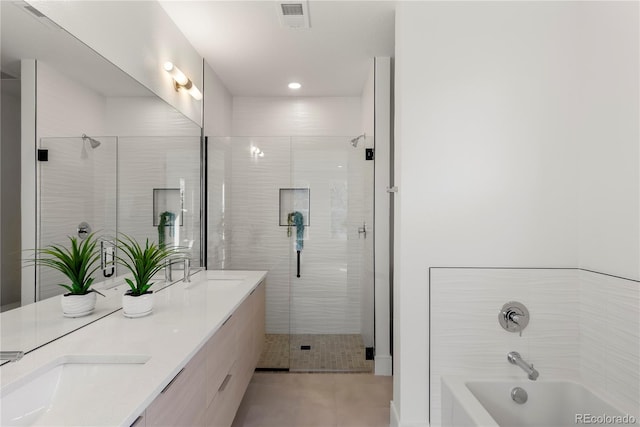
[(362, 230)]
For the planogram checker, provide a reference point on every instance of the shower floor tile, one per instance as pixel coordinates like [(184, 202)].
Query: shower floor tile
[(325, 353)]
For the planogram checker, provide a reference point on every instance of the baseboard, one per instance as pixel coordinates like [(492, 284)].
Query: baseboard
[(394, 419), (383, 365)]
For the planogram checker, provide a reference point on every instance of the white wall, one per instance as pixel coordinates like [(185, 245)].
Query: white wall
[(218, 104), (146, 116), (490, 111), (609, 166), (296, 116), (138, 37), (66, 108)]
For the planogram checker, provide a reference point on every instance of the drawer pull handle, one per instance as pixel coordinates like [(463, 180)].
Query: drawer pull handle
[(136, 421), (172, 381), (225, 382)]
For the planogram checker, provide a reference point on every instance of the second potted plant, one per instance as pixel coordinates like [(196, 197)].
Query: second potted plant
[(143, 262)]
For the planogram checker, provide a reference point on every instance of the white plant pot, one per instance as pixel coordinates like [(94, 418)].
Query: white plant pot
[(78, 305), (139, 306)]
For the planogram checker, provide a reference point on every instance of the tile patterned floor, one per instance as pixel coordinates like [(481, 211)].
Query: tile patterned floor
[(315, 400), (328, 353)]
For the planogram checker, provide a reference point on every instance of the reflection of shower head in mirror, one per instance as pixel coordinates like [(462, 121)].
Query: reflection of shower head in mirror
[(93, 142), (354, 141)]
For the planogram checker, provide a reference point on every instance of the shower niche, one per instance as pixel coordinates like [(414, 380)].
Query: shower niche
[(294, 200)]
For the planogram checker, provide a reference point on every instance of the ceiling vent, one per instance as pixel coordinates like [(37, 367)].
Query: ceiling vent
[(293, 14)]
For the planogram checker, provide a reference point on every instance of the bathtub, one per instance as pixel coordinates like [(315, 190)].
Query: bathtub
[(488, 403)]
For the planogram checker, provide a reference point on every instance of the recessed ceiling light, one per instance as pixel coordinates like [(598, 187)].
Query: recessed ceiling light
[(294, 85)]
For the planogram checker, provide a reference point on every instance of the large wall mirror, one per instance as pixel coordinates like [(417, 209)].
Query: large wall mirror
[(106, 144)]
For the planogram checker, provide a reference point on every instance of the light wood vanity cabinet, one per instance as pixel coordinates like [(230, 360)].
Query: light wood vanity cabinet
[(208, 391)]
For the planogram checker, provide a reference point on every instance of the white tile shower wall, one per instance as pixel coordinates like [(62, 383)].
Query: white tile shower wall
[(146, 163), (296, 116), (218, 186), (610, 338), (321, 300), (66, 108), (466, 338), (255, 239), (74, 188), (146, 116), (326, 299)]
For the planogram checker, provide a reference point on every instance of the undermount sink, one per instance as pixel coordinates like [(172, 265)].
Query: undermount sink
[(62, 385)]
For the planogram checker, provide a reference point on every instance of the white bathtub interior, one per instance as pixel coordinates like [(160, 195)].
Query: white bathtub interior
[(488, 403)]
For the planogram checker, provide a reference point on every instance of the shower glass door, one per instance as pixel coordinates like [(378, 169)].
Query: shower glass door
[(331, 279), (272, 197), (76, 189)]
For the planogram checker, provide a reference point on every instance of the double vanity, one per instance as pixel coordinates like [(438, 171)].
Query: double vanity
[(188, 363)]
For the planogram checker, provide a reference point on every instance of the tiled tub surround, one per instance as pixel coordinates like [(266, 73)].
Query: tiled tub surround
[(185, 316), (584, 327)]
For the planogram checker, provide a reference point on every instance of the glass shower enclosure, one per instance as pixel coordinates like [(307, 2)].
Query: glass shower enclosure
[(302, 209), (117, 184)]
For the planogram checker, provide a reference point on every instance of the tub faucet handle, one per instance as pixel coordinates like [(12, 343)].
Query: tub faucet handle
[(513, 317)]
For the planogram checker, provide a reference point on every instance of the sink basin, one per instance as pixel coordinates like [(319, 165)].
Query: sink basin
[(62, 385)]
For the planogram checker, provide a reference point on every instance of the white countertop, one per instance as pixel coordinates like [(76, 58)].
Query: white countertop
[(185, 316)]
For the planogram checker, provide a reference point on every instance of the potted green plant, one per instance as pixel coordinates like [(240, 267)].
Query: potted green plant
[(143, 263), (78, 263)]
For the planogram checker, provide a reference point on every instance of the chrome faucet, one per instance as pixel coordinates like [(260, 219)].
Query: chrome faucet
[(168, 269), (187, 270), (12, 356), (515, 359)]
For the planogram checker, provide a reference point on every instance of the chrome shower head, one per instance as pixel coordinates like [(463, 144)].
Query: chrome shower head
[(93, 142), (354, 141)]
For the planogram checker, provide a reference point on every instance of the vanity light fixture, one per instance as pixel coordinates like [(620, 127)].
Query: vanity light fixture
[(294, 85), (181, 81)]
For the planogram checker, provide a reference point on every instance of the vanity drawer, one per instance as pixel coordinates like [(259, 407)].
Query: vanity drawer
[(222, 351), (224, 406), (183, 400)]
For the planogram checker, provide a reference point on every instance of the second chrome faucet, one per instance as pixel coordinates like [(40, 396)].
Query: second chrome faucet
[(515, 359)]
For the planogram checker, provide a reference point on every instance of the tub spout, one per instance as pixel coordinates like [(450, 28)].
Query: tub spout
[(515, 359)]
